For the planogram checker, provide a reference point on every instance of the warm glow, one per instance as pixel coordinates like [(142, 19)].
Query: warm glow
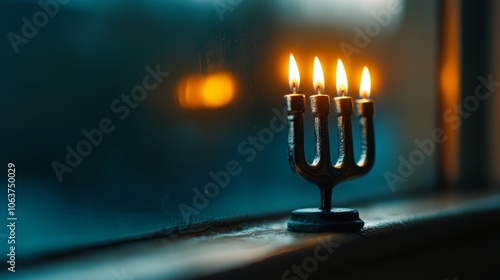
[(293, 75), (318, 77), (212, 91), (451, 55), (341, 79), (366, 84)]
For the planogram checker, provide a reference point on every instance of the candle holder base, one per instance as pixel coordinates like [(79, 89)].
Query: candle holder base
[(317, 220)]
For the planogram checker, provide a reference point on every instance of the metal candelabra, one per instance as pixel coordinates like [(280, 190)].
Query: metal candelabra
[(321, 171)]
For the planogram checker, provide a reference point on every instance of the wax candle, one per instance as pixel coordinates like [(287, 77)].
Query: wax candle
[(365, 106), (343, 103), (320, 103), (320, 107), (366, 111), (293, 75), (295, 106), (294, 102)]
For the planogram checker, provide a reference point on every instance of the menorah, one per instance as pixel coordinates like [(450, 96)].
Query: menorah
[(321, 171)]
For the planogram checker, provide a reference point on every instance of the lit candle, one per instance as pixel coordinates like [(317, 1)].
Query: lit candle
[(295, 102), (366, 111), (344, 107), (365, 106), (318, 77), (343, 103), (341, 79), (293, 75), (320, 103), (295, 105), (365, 86)]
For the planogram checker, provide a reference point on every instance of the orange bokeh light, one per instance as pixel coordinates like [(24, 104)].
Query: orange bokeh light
[(211, 91)]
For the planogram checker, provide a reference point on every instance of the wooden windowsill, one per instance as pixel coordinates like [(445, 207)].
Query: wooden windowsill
[(264, 249)]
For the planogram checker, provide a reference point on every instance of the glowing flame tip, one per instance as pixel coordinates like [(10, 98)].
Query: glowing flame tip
[(318, 77), (293, 75), (341, 79), (365, 87)]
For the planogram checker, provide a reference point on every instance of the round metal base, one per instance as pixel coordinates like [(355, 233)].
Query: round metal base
[(317, 220)]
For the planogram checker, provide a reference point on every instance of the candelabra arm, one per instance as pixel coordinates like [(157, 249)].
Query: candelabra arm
[(322, 142), (296, 154), (345, 162), (295, 107), (367, 158), (366, 111), (326, 176)]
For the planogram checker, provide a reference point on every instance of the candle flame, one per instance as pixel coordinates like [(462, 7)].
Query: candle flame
[(365, 87), (341, 79), (318, 77), (293, 75)]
